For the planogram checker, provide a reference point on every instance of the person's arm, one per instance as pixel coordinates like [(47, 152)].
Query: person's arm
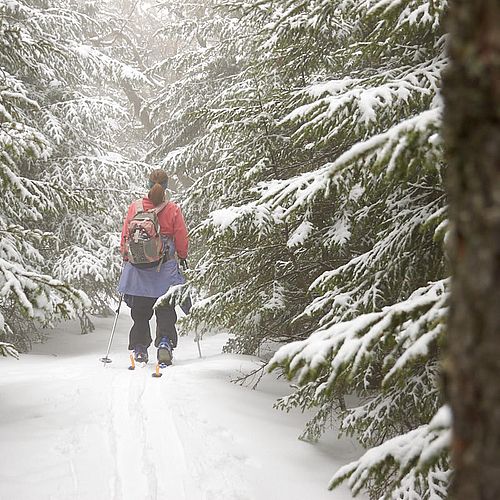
[(180, 235), (128, 218)]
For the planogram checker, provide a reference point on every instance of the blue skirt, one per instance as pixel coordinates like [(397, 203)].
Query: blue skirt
[(150, 282)]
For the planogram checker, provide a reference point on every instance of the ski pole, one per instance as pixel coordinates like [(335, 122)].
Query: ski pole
[(106, 358), (187, 304), (197, 339), (199, 348)]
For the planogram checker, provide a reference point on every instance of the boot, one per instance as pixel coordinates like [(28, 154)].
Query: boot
[(165, 352), (140, 353)]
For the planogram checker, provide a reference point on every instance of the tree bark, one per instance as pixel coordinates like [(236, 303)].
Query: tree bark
[(471, 91)]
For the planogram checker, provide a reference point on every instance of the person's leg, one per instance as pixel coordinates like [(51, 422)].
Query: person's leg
[(141, 310), (165, 324)]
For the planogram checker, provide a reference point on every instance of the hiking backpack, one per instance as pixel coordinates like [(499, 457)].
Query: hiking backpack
[(143, 241)]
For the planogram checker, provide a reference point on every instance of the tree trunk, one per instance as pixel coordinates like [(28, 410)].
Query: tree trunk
[(471, 91)]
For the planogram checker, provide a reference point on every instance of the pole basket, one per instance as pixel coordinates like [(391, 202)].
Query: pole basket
[(132, 362), (157, 373)]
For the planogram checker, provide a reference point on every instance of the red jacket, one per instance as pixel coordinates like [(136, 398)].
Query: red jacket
[(171, 224)]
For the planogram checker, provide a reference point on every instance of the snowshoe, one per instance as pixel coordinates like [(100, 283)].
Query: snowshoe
[(164, 352), (140, 354)]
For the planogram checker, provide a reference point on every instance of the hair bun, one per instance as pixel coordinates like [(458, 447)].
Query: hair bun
[(158, 184)]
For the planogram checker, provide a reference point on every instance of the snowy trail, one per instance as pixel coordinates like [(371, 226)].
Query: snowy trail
[(73, 429)]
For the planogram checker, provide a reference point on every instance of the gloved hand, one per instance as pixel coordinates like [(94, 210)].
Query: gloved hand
[(183, 263)]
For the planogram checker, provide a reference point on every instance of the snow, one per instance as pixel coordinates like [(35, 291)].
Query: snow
[(73, 428), (301, 234), (345, 346), (340, 232), (84, 50), (418, 445), (224, 217), (389, 144)]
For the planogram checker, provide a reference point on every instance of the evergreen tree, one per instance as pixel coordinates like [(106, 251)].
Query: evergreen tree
[(379, 323), (202, 59), (58, 133), (321, 218), (225, 142)]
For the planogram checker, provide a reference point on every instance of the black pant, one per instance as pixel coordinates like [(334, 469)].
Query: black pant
[(142, 312)]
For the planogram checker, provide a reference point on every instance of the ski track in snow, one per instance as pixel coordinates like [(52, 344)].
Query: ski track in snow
[(162, 430), (74, 429), (205, 448)]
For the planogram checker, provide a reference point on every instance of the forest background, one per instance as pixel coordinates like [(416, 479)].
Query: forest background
[(303, 142)]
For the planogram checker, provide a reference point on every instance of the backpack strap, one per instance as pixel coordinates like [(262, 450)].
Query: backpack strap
[(159, 208), (139, 206)]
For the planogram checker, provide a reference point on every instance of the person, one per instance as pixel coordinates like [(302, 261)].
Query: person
[(142, 284)]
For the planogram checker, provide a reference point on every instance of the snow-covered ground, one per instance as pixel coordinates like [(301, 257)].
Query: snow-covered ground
[(71, 428)]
